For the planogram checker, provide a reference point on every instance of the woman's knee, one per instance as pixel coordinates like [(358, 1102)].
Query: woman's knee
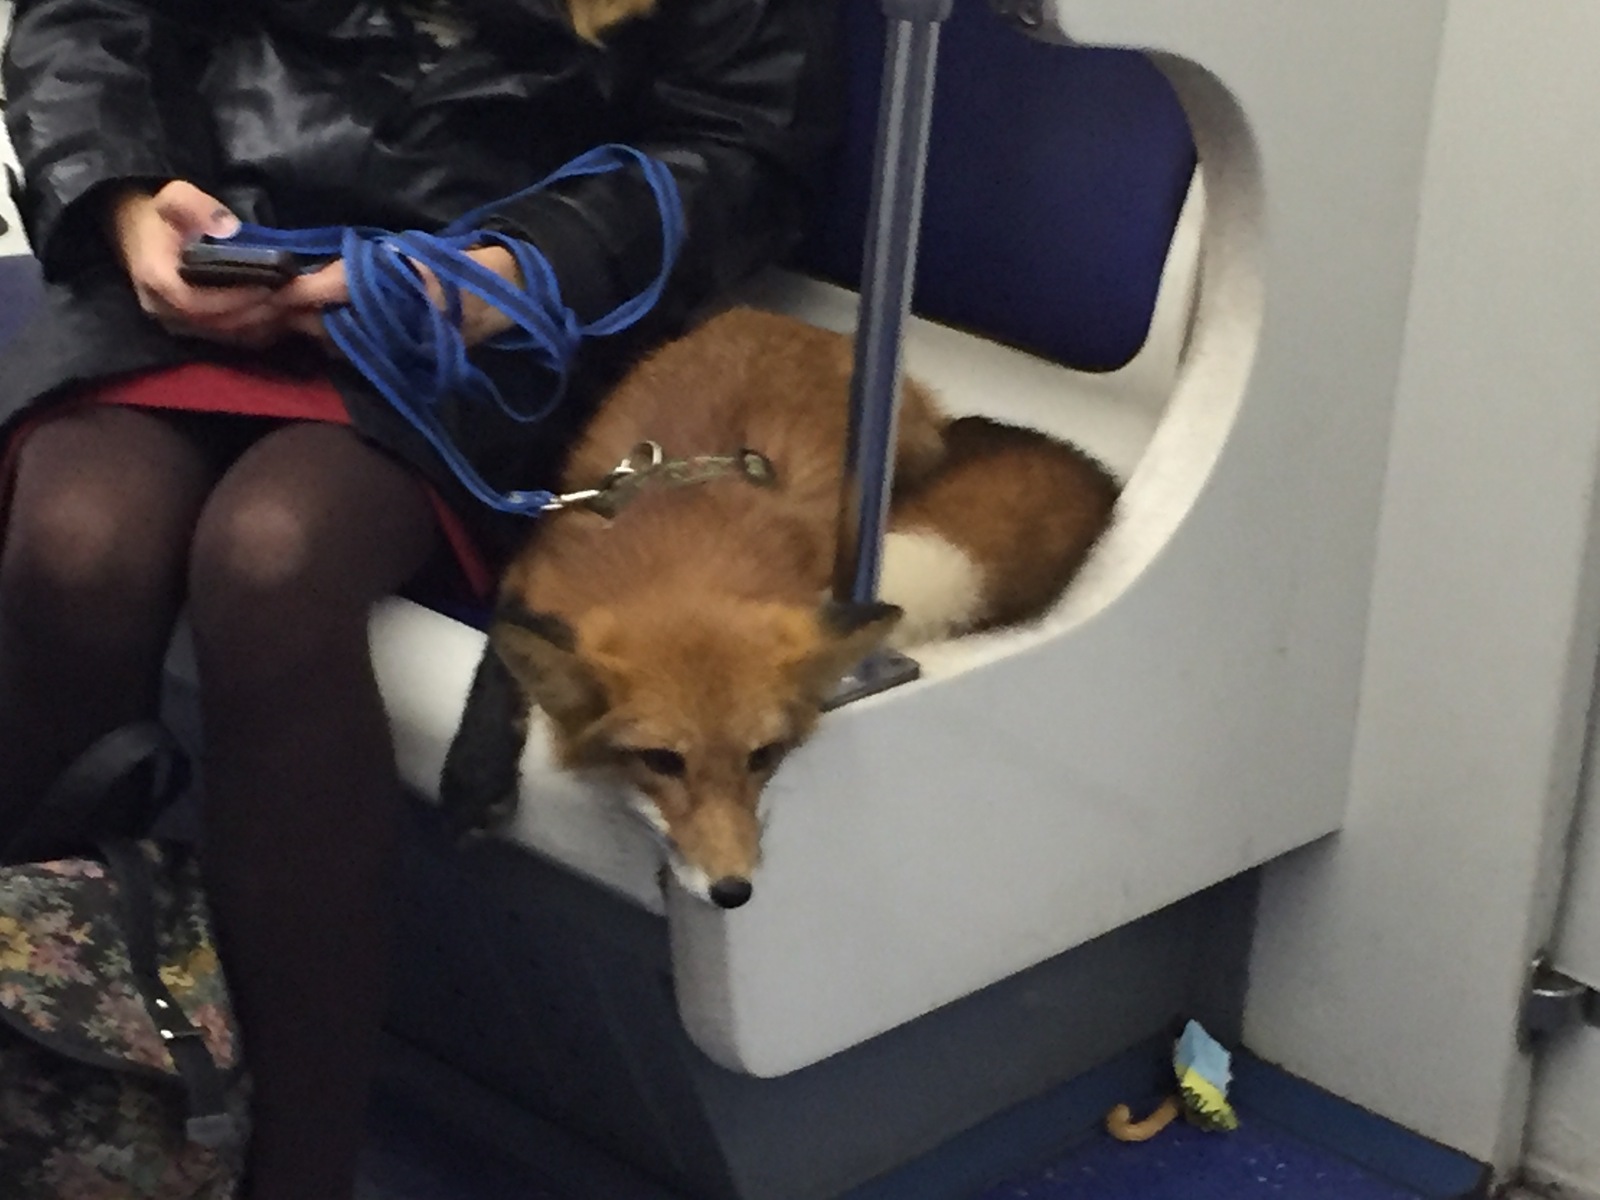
[(101, 512), (252, 553), (261, 576), (76, 548), (71, 539), (298, 542)]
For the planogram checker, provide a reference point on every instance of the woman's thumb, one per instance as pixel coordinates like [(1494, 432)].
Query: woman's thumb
[(193, 213)]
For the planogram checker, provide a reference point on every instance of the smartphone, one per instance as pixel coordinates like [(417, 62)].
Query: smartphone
[(216, 264)]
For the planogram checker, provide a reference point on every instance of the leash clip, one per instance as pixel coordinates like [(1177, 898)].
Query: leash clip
[(644, 457), (649, 452)]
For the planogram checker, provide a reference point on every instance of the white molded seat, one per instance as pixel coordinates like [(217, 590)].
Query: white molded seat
[(1187, 712)]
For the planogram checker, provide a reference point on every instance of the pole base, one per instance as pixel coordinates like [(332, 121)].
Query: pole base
[(884, 670)]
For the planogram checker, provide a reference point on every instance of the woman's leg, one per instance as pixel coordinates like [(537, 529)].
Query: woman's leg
[(91, 580), (303, 534)]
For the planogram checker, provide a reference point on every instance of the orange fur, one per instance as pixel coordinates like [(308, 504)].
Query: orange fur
[(685, 643)]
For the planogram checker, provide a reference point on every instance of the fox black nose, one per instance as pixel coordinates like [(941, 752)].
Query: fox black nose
[(730, 892)]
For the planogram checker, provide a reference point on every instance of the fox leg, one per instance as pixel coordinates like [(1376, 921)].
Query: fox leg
[(478, 788)]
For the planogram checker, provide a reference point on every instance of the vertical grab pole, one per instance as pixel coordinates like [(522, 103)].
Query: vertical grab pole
[(893, 225)]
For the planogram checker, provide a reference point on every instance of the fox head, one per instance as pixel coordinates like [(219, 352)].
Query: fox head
[(693, 708)]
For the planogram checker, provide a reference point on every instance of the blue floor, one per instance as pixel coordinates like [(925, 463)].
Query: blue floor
[(1255, 1163), (413, 1159)]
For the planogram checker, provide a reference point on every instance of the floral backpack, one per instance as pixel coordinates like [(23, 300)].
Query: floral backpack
[(121, 1076)]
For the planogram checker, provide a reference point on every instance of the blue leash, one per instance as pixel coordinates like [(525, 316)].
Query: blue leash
[(412, 351)]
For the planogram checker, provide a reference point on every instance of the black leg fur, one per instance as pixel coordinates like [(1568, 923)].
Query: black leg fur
[(478, 788)]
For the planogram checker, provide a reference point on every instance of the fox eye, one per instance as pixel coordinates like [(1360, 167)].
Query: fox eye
[(764, 758), (662, 762)]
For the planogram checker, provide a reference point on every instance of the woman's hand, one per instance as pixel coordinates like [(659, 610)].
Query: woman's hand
[(149, 232), (304, 299)]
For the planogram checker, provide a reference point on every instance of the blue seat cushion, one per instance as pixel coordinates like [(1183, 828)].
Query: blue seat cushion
[(1055, 179), (20, 291)]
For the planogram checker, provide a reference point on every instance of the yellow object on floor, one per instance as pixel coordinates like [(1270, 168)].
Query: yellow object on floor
[(1204, 1070)]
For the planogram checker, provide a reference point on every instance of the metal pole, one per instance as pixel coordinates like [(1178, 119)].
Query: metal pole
[(893, 225)]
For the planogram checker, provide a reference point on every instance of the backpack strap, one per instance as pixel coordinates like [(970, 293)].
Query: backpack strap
[(78, 806), (209, 1123)]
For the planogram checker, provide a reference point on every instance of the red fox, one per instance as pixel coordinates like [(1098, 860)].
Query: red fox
[(680, 636)]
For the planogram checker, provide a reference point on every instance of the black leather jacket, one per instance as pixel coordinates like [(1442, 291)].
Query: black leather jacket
[(313, 112)]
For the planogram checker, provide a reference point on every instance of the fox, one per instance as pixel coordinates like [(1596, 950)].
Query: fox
[(678, 633)]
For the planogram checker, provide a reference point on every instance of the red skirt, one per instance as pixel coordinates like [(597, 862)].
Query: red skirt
[(207, 387)]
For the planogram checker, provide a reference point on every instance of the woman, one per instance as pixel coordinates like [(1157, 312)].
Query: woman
[(178, 445)]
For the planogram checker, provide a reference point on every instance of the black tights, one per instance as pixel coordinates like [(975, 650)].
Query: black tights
[(118, 517)]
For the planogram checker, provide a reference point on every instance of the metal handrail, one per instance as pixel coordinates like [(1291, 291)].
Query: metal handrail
[(893, 229)]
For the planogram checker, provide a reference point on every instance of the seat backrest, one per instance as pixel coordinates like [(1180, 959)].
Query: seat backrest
[(1055, 179), (20, 290)]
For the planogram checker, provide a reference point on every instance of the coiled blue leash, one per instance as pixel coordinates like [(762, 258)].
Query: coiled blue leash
[(411, 350)]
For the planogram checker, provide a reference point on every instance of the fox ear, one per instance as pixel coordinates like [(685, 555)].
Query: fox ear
[(850, 632), (542, 652)]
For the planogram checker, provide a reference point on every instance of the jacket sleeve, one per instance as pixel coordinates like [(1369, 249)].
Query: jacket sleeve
[(741, 102), (94, 97)]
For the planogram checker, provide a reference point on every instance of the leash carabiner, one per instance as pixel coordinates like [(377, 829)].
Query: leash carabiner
[(642, 459)]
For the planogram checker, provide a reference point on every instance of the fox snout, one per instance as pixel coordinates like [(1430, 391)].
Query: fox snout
[(731, 891), (713, 850)]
